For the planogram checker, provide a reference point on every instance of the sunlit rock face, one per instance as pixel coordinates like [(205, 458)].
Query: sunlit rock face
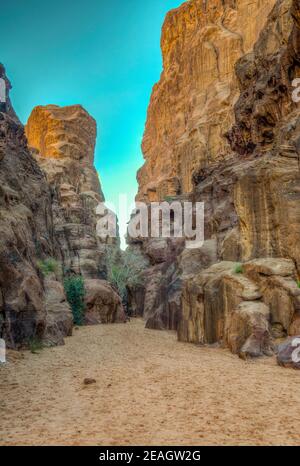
[(26, 237), (192, 105), (62, 132), (63, 140)]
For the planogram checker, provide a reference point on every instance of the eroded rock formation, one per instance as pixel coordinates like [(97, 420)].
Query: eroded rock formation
[(192, 105), (62, 140), (48, 197), (26, 236), (223, 128), (245, 310)]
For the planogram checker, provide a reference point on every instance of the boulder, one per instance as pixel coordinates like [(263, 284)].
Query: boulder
[(103, 304), (59, 318), (276, 278), (289, 353), (249, 330)]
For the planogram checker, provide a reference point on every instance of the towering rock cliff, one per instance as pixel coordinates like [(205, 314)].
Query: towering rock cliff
[(223, 128), (47, 213), (62, 140), (192, 105), (28, 308)]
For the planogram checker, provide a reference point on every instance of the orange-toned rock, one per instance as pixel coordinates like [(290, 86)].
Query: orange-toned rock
[(62, 132), (192, 105), (62, 139)]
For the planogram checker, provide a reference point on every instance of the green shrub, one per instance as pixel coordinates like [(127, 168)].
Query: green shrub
[(298, 283), (35, 345), (75, 292), (48, 266), (125, 269), (168, 199), (239, 269)]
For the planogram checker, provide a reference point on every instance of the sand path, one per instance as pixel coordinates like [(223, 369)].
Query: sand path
[(150, 390)]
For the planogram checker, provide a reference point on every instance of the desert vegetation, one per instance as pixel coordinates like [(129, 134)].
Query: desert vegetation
[(125, 269), (75, 293)]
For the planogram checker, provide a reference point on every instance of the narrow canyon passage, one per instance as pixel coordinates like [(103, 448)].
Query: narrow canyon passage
[(149, 389)]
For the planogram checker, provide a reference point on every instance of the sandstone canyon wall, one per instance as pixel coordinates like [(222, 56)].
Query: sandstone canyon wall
[(27, 305), (62, 140), (192, 105), (48, 196), (222, 128)]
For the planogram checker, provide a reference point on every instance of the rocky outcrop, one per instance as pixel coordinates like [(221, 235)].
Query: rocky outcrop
[(192, 105), (63, 140), (265, 76), (247, 175), (48, 197), (59, 318), (245, 310), (26, 236), (103, 304)]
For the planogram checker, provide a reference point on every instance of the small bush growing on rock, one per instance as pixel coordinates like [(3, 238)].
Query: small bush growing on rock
[(48, 266), (75, 292), (298, 283), (239, 269), (125, 269)]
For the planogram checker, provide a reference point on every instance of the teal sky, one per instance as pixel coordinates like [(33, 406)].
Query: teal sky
[(104, 55)]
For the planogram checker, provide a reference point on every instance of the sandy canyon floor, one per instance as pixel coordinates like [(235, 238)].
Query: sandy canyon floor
[(149, 390)]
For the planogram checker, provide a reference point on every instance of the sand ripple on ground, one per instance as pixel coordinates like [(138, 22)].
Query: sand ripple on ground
[(150, 390)]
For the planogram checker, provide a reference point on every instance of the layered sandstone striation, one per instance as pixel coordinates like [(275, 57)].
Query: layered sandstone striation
[(192, 105), (226, 131), (48, 197), (26, 236), (246, 311), (62, 140)]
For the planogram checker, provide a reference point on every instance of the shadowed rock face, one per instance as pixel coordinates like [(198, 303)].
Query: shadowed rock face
[(265, 76), (6, 107), (249, 182), (245, 311), (26, 235), (289, 354), (192, 105), (103, 304), (63, 140)]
